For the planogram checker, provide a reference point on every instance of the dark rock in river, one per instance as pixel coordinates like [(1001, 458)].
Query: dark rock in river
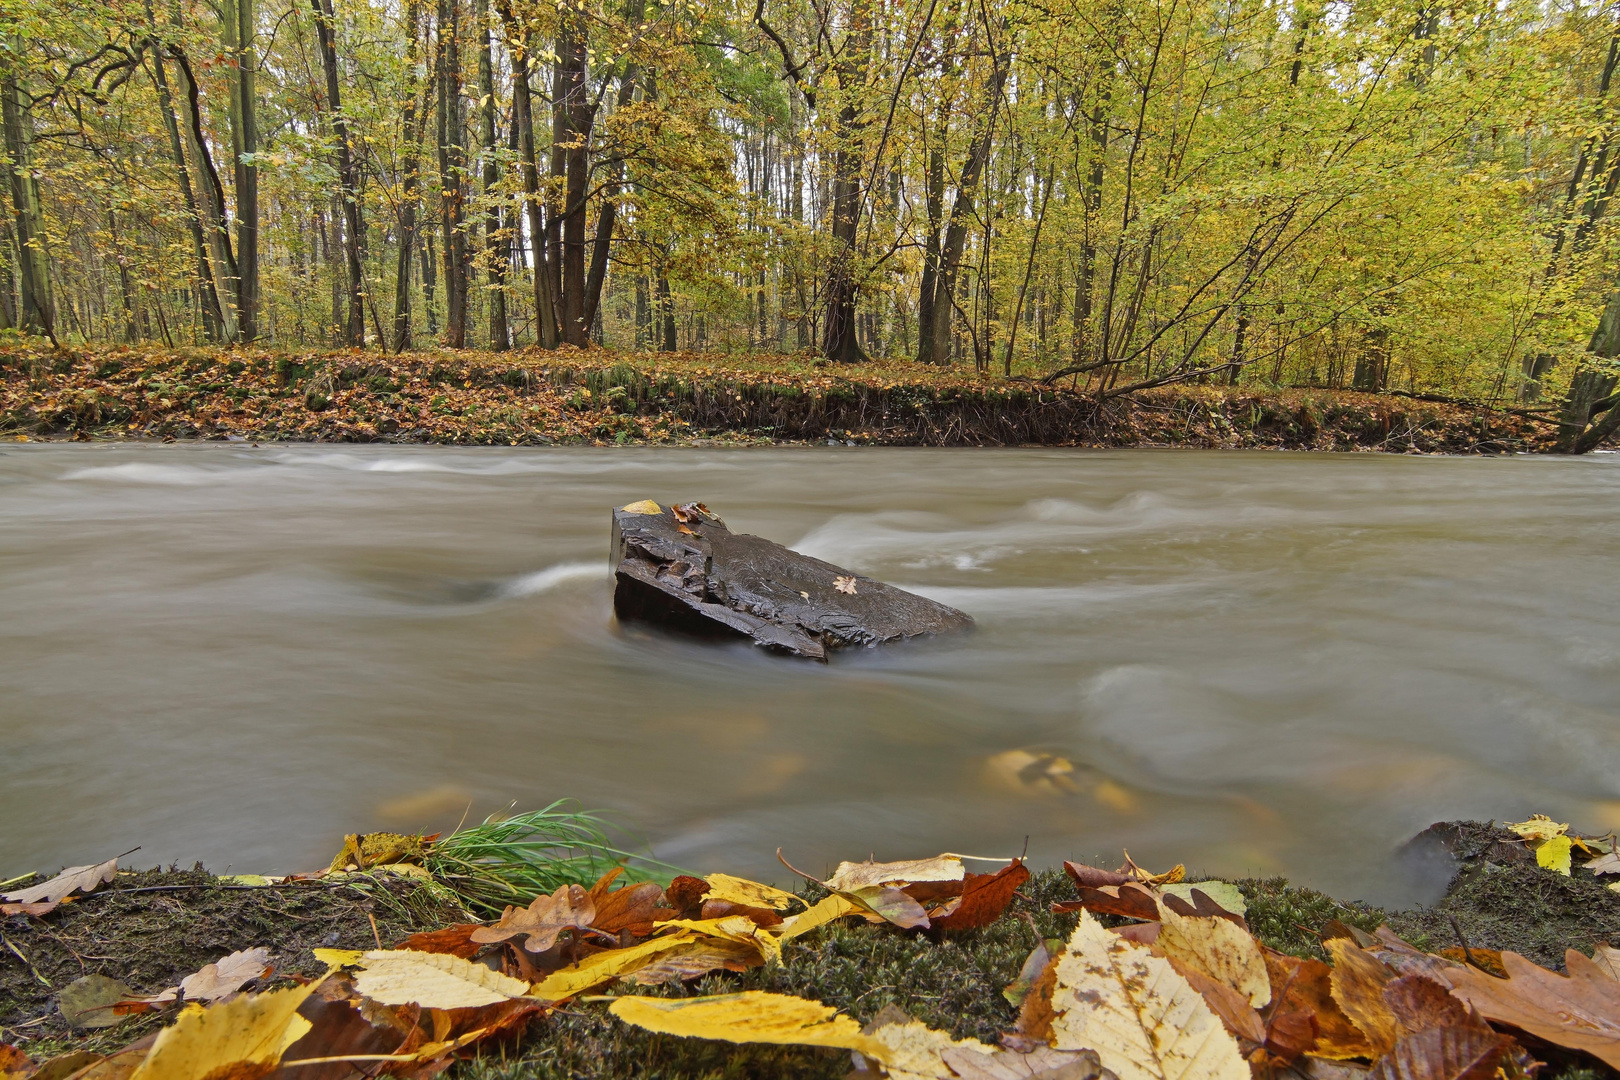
[(681, 567)]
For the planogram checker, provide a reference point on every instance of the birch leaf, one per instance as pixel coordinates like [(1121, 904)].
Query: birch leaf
[(852, 876), (750, 893), (242, 1039), (1554, 855), (831, 909), (432, 980), (1220, 949), (752, 1016), (1142, 1018)]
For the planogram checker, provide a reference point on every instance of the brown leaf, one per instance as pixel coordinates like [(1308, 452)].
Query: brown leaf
[(984, 898), (548, 916), (685, 895), (929, 892), (13, 1062), (1091, 877), (1419, 1003), (603, 883), (1489, 960), (1337, 929), (1579, 1011), (844, 585), (1291, 1034), (1035, 1016), (1233, 1008), (1306, 986), (1358, 982), (1607, 958), (1143, 933), (695, 959), (1444, 1053), (338, 1029), (1129, 900), (41, 908), (719, 909), (632, 906), (1202, 906), (455, 940), (53, 892)]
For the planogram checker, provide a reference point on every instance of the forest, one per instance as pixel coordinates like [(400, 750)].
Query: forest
[(1111, 193)]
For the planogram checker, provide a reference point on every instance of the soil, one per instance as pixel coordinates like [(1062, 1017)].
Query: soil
[(1499, 899), (597, 397)]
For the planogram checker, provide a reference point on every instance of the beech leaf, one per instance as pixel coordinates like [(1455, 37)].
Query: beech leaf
[(243, 1038), (752, 1016), (1444, 1053), (432, 980), (1220, 949)]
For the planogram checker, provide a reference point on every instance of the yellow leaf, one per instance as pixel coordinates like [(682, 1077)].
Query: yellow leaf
[(1539, 829), (915, 1051), (336, 958), (738, 928), (831, 909), (749, 893), (432, 980), (1219, 948), (853, 876), (1554, 855), (1143, 1019), (243, 1038), (603, 967), (752, 1016), (645, 506)]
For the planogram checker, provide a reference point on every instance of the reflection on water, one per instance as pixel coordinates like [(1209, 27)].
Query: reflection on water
[(1248, 662)]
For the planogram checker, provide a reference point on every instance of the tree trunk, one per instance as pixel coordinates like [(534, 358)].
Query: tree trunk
[(211, 194), (452, 175), (411, 125), (572, 125), (35, 314), (930, 351), (545, 307), (354, 333), (494, 249), (239, 25), (840, 343), (666, 308), (607, 211)]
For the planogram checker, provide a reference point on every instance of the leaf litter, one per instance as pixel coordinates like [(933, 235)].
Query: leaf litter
[(1156, 981)]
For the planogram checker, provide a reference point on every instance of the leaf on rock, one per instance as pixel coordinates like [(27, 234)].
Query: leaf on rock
[(74, 879), (1218, 948), (852, 876), (1579, 1011), (984, 898), (752, 1016), (1539, 829), (1299, 985), (432, 980), (88, 1002), (829, 910), (1092, 877), (1358, 983), (1444, 1053), (844, 585), (1607, 863), (241, 1039), (1041, 1063), (1554, 855), (693, 959), (226, 976), (543, 920), (455, 940), (751, 893), (604, 967), (1143, 1019), (645, 506)]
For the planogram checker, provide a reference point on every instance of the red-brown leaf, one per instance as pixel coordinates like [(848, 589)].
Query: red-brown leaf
[(984, 898)]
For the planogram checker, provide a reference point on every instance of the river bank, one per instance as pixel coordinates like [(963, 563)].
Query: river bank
[(149, 929), (595, 397)]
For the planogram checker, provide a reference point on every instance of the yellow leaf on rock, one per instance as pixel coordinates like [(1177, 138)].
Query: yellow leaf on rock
[(1554, 855), (915, 1051), (853, 876), (1219, 948), (752, 1016), (738, 928), (645, 506), (603, 967), (336, 958), (432, 980), (1143, 1019), (1539, 829), (242, 1039), (750, 893), (831, 909)]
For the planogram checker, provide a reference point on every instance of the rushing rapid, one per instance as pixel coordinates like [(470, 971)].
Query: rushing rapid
[(1251, 663)]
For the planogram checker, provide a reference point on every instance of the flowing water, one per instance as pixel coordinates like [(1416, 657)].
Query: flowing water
[(1250, 662)]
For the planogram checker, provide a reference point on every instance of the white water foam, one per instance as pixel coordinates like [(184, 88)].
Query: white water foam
[(551, 577)]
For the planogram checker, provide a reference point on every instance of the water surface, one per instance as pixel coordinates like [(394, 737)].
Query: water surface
[(1251, 662)]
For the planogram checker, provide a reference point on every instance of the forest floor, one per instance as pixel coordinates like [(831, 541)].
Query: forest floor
[(597, 397), (148, 929)]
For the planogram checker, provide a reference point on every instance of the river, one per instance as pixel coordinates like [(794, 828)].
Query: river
[(1253, 663)]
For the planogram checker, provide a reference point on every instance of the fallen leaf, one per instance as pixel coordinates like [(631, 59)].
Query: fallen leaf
[(65, 1065), (14, 1064), (889, 904), (1129, 901), (88, 1002), (1142, 1018), (455, 940), (984, 898), (226, 976), (1041, 1063), (693, 959), (341, 958), (1219, 949), (1444, 1053), (645, 506), (432, 980), (1607, 863), (915, 1050), (606, 966), (1607, 959), (73, 879), (738, 928), (1172, 876), (1035, 1015), (1420, 1003), (751, 893), (1233, 1008), (1358, 982), (542, 921), (844, 585), (1035, 963), (829, 910), (1539, 829), (631, 906), (1227, 895), (1579, 1011), (1300, 985), (41, 908), (1486, 959), (1092, 877), (752, 1016), (240, 1039), (685, 894), (1554, 855), (851, 876), (721, 909)]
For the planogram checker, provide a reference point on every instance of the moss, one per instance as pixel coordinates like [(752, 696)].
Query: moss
[(1289, 919)]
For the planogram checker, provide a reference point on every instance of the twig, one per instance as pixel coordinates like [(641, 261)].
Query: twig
[(19, 879), (29, 964), (375, 933), (1467, 952)]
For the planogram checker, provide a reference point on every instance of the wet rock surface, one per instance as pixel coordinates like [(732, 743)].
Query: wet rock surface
[(682, 568)]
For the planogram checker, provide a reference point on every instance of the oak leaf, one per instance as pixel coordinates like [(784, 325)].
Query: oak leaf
[(1142, 1018), (242, 1039), (752, 1016), (1607, 863), (432, 980), (844, 585), (542, 921), (1579, 1011), (1130, 900), (1226, 896), (74, 879)]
